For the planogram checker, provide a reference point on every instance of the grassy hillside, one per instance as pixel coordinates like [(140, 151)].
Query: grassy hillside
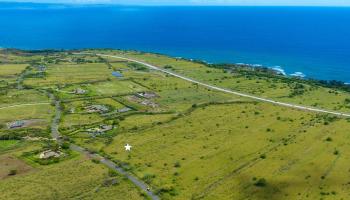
[(188, 141)]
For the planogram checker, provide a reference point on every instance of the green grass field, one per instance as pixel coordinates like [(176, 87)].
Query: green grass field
[(72, 73), (73, 179), (188, 141), (219, 150), (7, 144), (17, 97), (11, 69)]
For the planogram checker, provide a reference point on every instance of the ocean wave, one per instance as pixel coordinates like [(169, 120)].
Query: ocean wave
[(279, 70), (298, 74)]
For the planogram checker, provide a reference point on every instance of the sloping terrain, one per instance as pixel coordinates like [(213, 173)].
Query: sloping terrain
[(188, 141)]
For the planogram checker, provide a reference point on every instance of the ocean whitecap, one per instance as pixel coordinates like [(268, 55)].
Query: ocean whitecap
[(298, 74), (279, 70)]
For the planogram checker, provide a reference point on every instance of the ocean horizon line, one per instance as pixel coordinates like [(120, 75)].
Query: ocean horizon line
[(87, 4)]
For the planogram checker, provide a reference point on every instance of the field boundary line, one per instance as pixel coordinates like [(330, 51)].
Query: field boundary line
[(27, 104)]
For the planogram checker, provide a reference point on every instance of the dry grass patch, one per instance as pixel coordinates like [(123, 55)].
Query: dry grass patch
[(11, 166)]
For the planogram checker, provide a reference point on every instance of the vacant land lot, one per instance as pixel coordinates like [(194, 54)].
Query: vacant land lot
[(112, 88), (11, 69), (72, 73), (73, 179), (11, 166), (237, 141), (18, 97)]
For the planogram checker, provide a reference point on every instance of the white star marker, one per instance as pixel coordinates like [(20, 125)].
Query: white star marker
[(127, 147)]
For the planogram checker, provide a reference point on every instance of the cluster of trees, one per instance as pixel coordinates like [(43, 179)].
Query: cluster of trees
[(19, 134), (297, 90), (137, 67)]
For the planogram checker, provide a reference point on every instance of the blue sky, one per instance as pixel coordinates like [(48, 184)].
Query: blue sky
[(202, 2)]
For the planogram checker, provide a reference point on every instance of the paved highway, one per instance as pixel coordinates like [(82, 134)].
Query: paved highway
[(300, 107)]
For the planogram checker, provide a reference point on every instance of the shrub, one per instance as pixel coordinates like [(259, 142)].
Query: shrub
[(12, 172), (347, 101), (261, 182), (112, 173), (177, 164), (94, 160), (336, 152), (65, 145), (168, 67), (167, 189), (148, 178)]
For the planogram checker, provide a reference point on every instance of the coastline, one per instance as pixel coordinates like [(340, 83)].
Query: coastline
[(278, 70)]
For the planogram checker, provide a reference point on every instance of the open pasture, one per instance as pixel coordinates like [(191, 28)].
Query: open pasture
[(78, 178), (7, 144), (11, 166), (60, 74), (140, 121), (18, 97), (80, 119), (115, 87), (238, 140), (11, 69)]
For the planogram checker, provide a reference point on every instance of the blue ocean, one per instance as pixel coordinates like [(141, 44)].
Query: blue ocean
[(314, 41)]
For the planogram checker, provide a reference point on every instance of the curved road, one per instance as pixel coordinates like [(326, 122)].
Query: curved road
[(56, 135), (305, 108)]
